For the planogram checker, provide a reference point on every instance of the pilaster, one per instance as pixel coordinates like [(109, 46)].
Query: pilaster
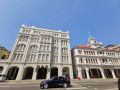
[(48, 73), (87, 73), (102, 72)]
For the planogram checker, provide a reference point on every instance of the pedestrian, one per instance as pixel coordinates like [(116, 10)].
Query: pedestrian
[(119, 83), (67, 76)]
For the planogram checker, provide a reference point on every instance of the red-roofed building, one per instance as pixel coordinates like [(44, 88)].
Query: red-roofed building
[(95, 61)]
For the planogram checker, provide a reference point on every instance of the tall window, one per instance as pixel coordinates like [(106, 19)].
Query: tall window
[(47, 57), (43, 56), (40, 57)]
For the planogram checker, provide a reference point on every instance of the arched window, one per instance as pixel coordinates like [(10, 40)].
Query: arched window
[(40, 57), (41, 47), (48, 48), (45, 47), (33, 48), (3, 57), (47, 57), (21, 47), (18, 57), (43, 56)]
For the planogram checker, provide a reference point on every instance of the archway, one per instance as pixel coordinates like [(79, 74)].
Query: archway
[(65, 71), (95, 73), (54, 72), (108, 73), (84, 74), (41, 73), (1, 69), (117, 72), (28, 72), (12, 73)]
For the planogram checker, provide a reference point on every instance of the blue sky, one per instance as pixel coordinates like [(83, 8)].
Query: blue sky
[(100, 17)]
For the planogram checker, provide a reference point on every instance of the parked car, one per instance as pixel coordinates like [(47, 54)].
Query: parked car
[(2, 77), (55, 82)]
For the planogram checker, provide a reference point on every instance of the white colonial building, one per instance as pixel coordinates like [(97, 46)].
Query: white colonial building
[(38, 54), (94, 61)]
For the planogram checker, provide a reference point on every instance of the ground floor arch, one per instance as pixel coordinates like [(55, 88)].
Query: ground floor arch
[(41, 73), (95, 73), (54, 72), (84, 76), (1, 69), (28, 72), (117, 72), (108, 73), (65, 71), (12, 73)]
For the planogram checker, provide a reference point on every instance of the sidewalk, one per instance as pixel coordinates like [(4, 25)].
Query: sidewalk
[(72, 80)]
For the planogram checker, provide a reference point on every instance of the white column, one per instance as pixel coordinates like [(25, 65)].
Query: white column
[(71, 72), (80, 72), (77, 60), (76, 52), (82, 52), (105, 54), (34, 74), (87, 72), (48, 73), (5, 69), (113, 74), (98, 60), (84, 60), (102, 72), (20, 73), (60, 70), (59, 52), (96, 53)]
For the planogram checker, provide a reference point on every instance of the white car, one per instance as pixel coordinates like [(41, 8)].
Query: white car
[(2, 77)]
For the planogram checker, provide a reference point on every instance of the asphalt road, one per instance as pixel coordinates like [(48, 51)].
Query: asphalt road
[(76, 85)]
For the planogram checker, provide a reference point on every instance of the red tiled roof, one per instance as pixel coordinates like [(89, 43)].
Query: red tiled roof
[(82, 46), (110, 49)]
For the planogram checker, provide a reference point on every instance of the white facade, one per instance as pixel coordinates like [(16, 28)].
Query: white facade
[(94, 61), (39, 54)]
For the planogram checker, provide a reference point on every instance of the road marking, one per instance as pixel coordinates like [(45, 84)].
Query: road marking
[(74, 84), (112, 89), (21, 86), (4, 86), (96, 89), (78, 88)]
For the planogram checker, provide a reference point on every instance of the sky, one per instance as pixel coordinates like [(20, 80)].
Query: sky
[(100, 17)]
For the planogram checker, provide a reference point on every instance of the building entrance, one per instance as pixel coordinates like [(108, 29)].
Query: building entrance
[(108, 73), (54, 72), (83, 74), (12, 73), (95, 73), (41, 73), (117, 72), (65, 71), (28, 73)]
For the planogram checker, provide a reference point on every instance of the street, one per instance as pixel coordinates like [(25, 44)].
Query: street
[(93, 84)]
